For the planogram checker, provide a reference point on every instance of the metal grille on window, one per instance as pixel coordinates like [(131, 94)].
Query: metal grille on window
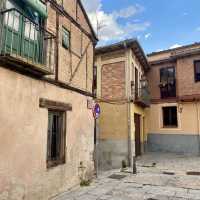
[(55, 137)]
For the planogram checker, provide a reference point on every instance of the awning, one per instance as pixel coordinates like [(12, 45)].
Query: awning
[(38, 6)]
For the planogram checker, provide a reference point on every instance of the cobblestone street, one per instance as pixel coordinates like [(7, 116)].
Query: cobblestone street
[(159, 177)]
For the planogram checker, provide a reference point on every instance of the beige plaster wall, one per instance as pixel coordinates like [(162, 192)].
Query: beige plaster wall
[(115, 117), (23, 139), (143, 126), (188, 122), (113, 122)]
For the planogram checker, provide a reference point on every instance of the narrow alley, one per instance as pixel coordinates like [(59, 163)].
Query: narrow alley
[(159, 177)]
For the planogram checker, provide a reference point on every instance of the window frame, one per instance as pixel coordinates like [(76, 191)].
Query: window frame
[(58, 107), (167, 84), (65, 30), (177, 119), (136, 83), (195, 71), (94, 85), (53, 162)]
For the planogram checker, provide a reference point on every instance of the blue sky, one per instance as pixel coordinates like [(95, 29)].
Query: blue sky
[(158, 24)]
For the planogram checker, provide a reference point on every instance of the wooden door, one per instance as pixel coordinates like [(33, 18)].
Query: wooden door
[(137, 135)]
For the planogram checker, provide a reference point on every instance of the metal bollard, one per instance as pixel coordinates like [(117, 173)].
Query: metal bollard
[(134, 165)]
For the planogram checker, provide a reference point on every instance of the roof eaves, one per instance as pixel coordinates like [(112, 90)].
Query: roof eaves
[(88, 20)]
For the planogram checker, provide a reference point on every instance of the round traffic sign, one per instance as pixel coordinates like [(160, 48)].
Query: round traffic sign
[(96, 111)]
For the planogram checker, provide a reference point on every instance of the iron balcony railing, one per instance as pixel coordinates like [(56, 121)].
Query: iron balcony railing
[(22, 39), (142, 96)]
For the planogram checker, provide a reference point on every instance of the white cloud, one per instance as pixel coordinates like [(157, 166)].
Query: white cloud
[(198, 29), (92, 6), (128, 12), (148, 35), (175, 46), (185, 14), (158, 50), (109, 29)]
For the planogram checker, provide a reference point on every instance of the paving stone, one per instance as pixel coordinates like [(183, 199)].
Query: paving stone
[(105, 197), (86, 197), (149, 183)]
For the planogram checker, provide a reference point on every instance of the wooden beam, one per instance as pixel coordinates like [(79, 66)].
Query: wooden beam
[(78, 65), (54, 105)]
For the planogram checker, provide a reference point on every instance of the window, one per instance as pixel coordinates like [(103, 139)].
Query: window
[(136, 83), (170, 116), (30, 31), (95, 80), (65, 38), (56, 138), (197, 70), (167, 82), (11, 18)]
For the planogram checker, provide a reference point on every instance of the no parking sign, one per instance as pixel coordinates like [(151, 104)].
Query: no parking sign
[(96, 111)]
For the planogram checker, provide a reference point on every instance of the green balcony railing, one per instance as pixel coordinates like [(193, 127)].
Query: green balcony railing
[(24, 40), (142, 96)]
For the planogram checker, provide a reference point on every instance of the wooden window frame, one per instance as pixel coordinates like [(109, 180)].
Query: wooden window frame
[(167, 85), (136, 83), (170, 126), (64, 31), (60, 159), (94, 85), (62, 108), (195, 71)]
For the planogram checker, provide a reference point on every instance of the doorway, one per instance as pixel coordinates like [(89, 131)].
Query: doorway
[(137, 119)]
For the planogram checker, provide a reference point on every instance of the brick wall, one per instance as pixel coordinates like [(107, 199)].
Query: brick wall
[(185, 76), (153, 77), (185, 80), (113, 81), (75, 65)]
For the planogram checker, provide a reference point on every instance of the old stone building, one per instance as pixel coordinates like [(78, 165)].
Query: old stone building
[(174, 115), (46, 76), (123, 95)]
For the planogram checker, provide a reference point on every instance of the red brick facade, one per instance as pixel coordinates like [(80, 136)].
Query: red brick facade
[(186, 87), (113, 81)]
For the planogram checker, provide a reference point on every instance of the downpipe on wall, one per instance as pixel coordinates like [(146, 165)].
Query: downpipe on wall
[(198, 126), (128, 106)]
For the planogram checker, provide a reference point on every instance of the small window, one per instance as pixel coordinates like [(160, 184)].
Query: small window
[(65, 38), (170, 117), (197, 70), (95, 80), (56, 138)]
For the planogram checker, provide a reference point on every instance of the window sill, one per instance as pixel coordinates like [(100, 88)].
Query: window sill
[(54, 164), (170, 127)]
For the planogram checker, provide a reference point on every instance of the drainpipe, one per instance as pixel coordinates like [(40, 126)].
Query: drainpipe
[(57, 46), (198, 127), (128, 109)]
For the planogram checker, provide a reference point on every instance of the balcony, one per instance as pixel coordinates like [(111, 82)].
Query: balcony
[(142, 97), (25, 45)]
